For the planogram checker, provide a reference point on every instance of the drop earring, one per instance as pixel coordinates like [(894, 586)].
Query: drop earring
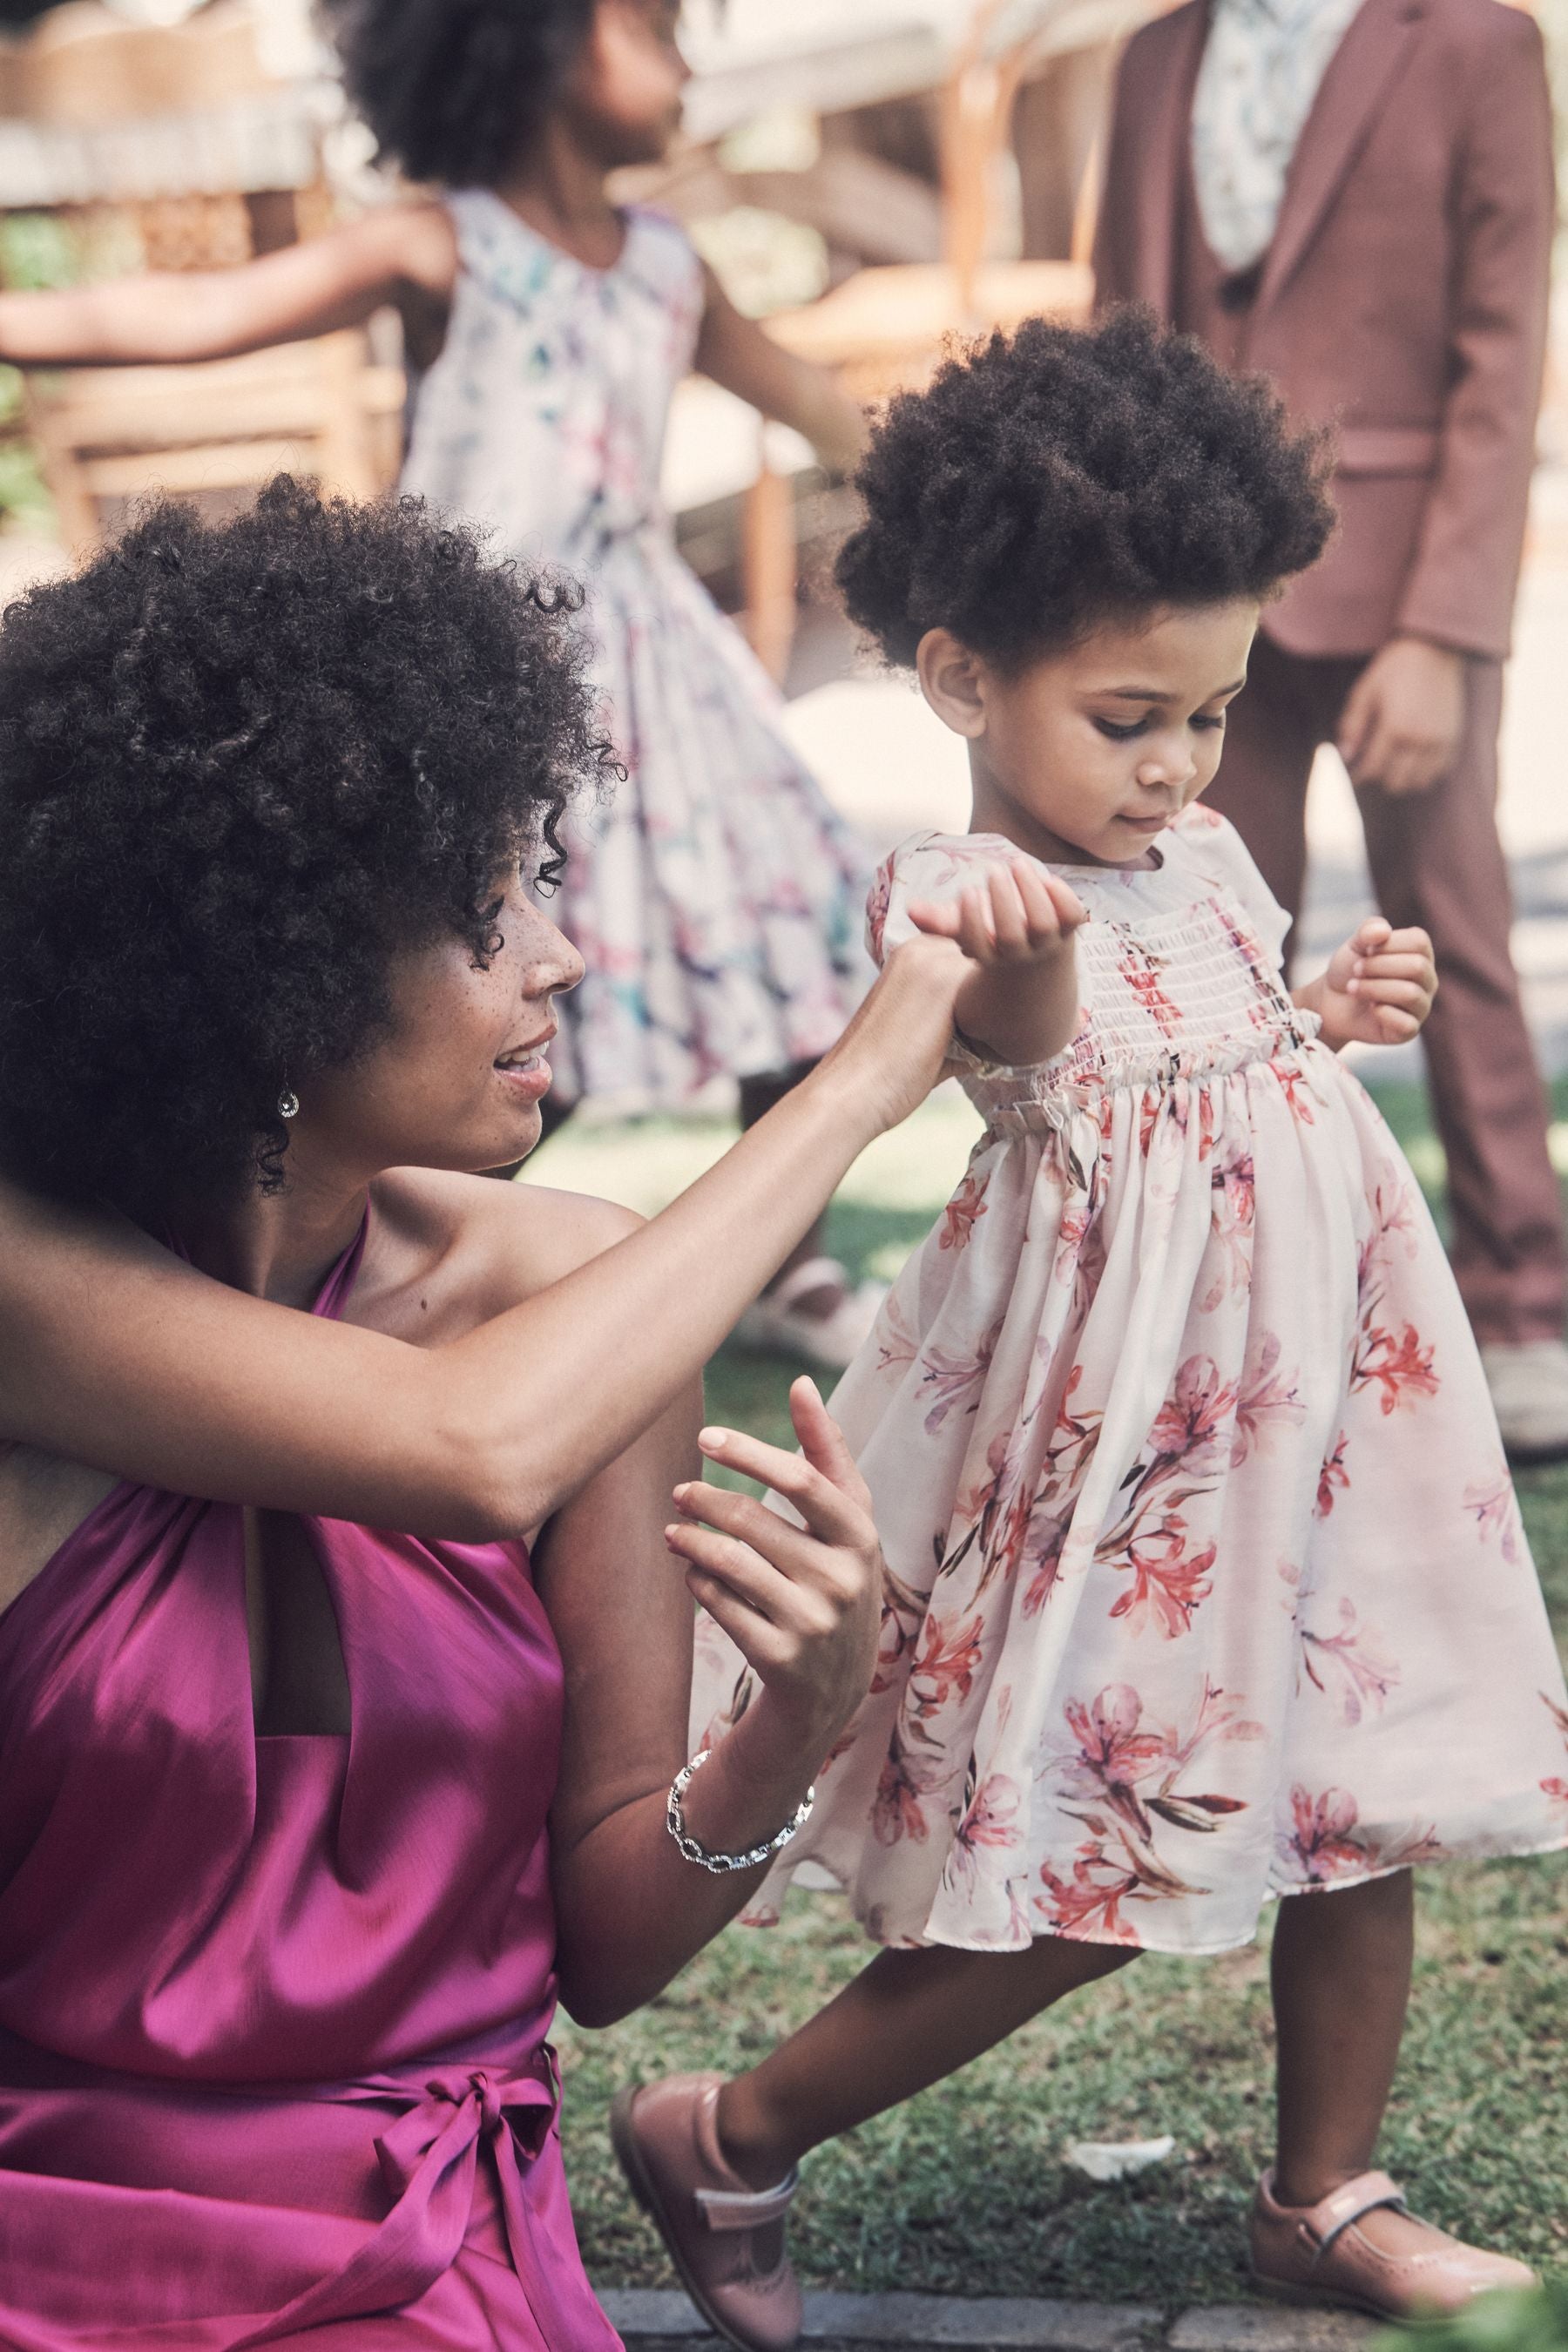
[(287, 1104)]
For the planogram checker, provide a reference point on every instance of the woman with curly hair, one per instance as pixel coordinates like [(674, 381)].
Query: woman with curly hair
[(1205, 1582), (344, 1671), (716, 898)]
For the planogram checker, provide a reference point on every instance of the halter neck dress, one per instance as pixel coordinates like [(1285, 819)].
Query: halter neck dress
[(273, 2066), (715, 893)]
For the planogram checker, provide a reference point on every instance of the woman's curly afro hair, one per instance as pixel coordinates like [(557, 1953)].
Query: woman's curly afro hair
[(240, 768), (1054, 478), (455, 90)]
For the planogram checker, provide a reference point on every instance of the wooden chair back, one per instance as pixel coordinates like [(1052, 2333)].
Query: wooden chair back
[(109, 436), (172, 148)]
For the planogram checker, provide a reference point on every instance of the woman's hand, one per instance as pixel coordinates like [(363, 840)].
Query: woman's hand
[(1378, 988), (802, 1605), (1019, 999), (893, 1053)]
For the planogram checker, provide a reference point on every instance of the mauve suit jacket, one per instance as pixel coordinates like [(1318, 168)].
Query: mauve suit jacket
[(1403, 300)]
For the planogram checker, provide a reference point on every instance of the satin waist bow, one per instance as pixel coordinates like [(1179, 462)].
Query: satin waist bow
[(429, 2157)]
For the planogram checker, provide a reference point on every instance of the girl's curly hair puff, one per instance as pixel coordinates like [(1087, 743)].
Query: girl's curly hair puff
[(1050, 479), (456, 90), (240, 767)]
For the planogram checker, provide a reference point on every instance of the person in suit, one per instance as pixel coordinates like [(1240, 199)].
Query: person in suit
[(1355, 197)]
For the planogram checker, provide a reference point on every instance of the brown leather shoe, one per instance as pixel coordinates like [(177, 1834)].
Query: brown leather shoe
[(1316, 2253), (726, 2241)]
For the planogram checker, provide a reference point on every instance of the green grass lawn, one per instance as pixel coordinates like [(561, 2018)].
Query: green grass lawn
[(964, 2191)]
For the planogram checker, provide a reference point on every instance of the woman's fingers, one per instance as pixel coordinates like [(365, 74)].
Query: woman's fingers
[(824, 1444), (760, 1642), (827, 1517), (790, 1616), (733, 1564)]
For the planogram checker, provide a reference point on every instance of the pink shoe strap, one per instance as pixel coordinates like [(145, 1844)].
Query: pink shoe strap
[(747, 2209), (1336, 2213)]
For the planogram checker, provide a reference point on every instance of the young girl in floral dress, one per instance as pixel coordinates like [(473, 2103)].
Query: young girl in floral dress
[(1205, 1582), (715, 895)]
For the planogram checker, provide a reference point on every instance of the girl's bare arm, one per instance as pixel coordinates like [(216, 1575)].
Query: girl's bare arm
[(735, 351), (115, 1354), (405, 256)]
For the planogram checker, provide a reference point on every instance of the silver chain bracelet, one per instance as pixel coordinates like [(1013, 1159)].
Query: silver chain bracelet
[(675, 1822)]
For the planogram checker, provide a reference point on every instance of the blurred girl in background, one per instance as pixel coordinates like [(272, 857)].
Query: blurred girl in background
[(715, 895)]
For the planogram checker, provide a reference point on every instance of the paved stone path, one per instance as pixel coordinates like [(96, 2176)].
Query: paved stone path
[(656, 2320)]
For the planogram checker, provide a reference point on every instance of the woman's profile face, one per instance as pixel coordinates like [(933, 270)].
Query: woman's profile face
[(458, 1081)]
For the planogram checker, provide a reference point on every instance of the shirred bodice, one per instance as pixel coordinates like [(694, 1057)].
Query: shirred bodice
[(1179, 968)]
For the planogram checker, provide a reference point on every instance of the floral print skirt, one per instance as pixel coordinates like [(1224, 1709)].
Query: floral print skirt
[(715, 894), (1206, 1580)]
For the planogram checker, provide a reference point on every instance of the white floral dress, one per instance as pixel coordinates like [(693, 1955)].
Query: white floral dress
[(715, 895), (1206, 1578)]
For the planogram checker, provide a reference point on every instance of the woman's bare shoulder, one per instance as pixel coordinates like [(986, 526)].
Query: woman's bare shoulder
[(455, 1250)]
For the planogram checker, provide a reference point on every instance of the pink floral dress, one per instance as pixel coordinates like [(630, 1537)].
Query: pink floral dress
[(1206, 1580)]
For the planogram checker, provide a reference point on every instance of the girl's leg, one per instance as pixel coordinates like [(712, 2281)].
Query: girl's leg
[(1341, 1981), (906, 2022), (711, 2161), (1342, 1986)]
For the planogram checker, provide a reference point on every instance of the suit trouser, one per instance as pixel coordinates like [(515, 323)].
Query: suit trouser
[(1436, 861)]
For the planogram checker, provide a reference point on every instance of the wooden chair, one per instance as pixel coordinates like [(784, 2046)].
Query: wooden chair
[(886, 327), (171, 147), (107, 436)]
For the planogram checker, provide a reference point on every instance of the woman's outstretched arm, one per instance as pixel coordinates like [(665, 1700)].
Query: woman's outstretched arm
[(115, 1353), (405, 256)]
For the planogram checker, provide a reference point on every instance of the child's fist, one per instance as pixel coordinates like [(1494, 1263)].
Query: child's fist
[(1020, 914), (1378, 988)]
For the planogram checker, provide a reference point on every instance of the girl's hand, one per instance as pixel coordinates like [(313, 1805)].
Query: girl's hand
[(1378, 988), (802, 1605), (1019, 998), (1021, 914)]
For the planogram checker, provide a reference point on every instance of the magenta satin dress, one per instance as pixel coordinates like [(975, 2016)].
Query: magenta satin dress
[(273, 2067)]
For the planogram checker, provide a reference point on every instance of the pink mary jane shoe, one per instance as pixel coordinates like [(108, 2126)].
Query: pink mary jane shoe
[(726, 2241), (1317, 2254)]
